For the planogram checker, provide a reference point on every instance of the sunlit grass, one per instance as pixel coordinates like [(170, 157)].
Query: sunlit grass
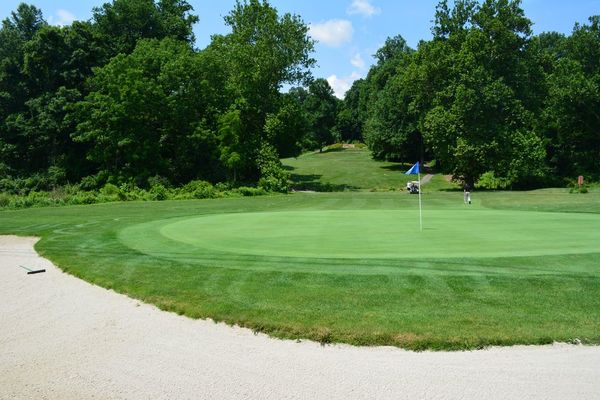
[(417, 302)]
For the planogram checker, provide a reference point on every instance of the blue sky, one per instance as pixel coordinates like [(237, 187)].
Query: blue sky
[(349, 31)]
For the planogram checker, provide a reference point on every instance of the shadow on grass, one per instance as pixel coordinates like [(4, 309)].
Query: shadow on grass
[(403, 167), (396, 167), (312, 182)]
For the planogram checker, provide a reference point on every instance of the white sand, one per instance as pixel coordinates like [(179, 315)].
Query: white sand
[(62, 338)]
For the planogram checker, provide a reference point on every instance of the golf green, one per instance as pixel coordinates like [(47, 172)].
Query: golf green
[(369, 234)]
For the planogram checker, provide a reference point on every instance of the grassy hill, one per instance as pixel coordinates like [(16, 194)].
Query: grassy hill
[(352, 169)]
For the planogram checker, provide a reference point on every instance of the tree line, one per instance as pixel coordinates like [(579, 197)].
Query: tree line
[(485, 98), (126, 99)]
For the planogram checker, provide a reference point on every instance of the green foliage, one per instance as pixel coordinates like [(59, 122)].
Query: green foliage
[(145, 108), (76, 195), (4, 200), (251, 191), (488, 180), (125, 97), (200, 189), (352, 113), (321, 107), (110, 190), (287, 128), (581, 189), (484, 95), (482, 118), (571, 112), (257, 65), (158, 192), (123, 23), (230, 132), (273, 177), (334, 147)]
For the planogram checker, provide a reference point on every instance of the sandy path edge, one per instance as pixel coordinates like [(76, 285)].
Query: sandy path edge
[(63, 338)]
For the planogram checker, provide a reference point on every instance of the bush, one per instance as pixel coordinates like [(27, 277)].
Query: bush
[(110, 190), (577, 189), (158, 180), (37, 182), (274, 178), (56, 176), (273, 184), (93, 182), (251, 191), (4, 200), (489, 181), (83, 198), (200, 190), (158, 192), (130, 192), (334, 147), (10, 185)]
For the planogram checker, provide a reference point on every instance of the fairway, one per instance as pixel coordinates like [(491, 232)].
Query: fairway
[(364, 234), (512, 268)]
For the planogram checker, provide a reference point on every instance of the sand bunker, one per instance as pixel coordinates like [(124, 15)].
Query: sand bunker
[(63, 338)]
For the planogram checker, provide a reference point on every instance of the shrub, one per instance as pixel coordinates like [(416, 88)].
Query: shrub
[(274, 178), (222, 186), (83, 198), (158, 180), (56, 176), (334, 147), (4, 200), (94, 181), (200, 190), (158, 192), (37, 182), (577, 189), (489, 181), (110, 190), (273, 184), (250, 191)]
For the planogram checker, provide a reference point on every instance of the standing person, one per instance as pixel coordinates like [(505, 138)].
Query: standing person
[(467, 190)]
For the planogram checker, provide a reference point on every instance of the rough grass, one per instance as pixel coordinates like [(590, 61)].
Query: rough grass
[(417, 303)]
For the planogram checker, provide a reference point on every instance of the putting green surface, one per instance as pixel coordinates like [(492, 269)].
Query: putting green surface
[(366, 234)]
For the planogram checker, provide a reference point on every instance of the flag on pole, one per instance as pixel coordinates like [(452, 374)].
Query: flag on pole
[(413, 170)]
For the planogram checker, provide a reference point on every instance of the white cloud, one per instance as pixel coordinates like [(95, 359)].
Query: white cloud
[(358, 61), (62, 18), (363, 7), (341, 85), (333, 33)]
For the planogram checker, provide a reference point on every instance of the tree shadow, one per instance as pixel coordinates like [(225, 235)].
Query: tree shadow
[(311, 182), (403, 167), (396, 167)]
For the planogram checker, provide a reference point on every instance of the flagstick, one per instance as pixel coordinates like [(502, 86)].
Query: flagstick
[(420, 209)]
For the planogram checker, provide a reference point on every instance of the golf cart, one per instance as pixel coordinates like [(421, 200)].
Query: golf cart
[(412, 187)]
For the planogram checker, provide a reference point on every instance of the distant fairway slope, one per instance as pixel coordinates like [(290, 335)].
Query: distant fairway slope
[(350, 169)]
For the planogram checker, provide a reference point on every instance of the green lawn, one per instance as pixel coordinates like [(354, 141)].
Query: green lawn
[(350, 169), (511, 268)]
